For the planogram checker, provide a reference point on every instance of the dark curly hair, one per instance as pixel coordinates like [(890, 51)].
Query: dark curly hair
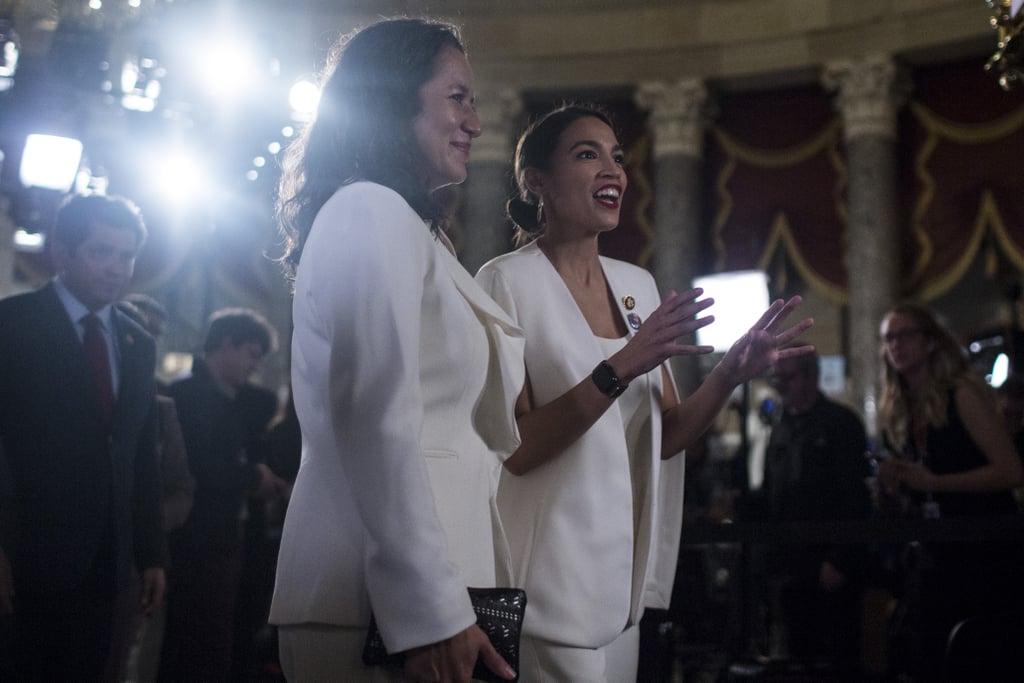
[(363, 126)]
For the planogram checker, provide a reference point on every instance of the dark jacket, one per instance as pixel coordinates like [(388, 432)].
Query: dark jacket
[(218, 434), (69, 477)]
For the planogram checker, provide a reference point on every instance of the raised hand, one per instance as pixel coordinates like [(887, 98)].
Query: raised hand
[(657, 338), (763, 344)]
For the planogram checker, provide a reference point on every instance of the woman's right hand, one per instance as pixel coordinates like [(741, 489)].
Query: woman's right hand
[(452, 660), (656, 340)]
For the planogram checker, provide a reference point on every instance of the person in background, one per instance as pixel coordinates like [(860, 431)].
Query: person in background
[(177, 485), (152, 311), (1011, 402), (592, 499), (954, 457), (155, 317), (815, 470), (207, 552), (77, 426), (404, 371)]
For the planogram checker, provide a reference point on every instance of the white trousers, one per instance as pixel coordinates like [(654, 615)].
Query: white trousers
[(544, 662), (320, 653)]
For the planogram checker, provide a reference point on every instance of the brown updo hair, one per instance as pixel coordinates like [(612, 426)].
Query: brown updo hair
[(534, 150)]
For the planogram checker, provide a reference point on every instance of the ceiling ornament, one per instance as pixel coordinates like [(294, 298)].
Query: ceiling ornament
[(1007, 63)]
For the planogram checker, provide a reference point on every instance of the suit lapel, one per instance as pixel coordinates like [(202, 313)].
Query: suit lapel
[(477, 298), (68, 357), (129, 361)]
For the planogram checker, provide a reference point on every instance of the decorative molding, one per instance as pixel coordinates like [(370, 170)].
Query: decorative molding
[(679, 113), (870, 92)]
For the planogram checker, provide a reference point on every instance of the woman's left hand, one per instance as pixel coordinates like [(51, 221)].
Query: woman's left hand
[(763, 344)]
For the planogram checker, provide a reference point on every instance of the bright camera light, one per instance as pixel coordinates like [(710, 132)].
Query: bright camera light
[(50, 162), (138, 103), (31, 242), (178, 177), (303, 98), (228, 68), (1000, 370), (8, 57), (740, 298)]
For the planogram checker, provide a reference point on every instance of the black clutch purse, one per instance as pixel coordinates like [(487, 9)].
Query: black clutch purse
[(499, 613)]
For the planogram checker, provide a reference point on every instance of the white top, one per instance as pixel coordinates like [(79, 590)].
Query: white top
[(591, 541), (404, 375)]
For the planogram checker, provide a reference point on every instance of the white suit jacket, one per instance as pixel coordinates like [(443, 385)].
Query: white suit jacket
[(404, 375), (570, 522)]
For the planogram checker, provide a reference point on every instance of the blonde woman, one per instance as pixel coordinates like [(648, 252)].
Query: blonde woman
[(953, 457)]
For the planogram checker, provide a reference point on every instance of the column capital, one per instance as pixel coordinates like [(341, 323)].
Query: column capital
[(498, 109), (869, 93), (678, 115)]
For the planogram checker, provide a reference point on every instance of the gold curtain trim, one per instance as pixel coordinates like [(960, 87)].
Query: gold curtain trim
[(987, 218), (782, 235), (724, 210), (942, 128), (826, 140), (773, 158), (638, 157)]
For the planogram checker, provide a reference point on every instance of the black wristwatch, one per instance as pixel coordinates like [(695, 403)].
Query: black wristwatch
[(608, 383)]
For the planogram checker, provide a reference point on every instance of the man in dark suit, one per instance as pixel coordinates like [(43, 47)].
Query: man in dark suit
[(814, 471), (222, 416), (77, 430)]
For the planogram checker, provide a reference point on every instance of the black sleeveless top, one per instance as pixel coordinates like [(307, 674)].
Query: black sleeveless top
[(950, 450)]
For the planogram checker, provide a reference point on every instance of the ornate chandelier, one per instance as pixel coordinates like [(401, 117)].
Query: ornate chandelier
[(1007, 63)]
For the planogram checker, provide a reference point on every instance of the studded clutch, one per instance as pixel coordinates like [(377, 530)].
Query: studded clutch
[(499, 613)]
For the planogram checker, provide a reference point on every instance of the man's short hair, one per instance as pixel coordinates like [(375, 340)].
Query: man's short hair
[(239, 326), (80, 215)]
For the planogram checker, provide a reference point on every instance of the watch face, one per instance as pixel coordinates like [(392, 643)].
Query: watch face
[(605, 379)]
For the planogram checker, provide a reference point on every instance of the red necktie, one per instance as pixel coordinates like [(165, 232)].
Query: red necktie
[(99, 360)]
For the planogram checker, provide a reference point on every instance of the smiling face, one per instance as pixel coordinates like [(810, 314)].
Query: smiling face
[(99, 268), (583, 187), (447, 122)]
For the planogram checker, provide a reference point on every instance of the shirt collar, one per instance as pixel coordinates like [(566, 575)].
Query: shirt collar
[(76, 309)]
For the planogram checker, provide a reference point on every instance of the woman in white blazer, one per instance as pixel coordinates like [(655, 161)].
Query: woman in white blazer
[(404, 371), (590, 503)]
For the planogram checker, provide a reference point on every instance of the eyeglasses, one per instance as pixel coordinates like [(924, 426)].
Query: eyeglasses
[(893, 336)]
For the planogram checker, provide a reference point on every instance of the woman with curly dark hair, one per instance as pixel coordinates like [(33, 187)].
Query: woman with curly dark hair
[(404, 372)]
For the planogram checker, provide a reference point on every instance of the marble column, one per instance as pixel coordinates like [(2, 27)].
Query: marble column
[(869, 93), (486, 232), (678, 114)]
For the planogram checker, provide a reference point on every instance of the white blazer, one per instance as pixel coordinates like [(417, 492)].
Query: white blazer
[(570, 522), (404, 375)]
